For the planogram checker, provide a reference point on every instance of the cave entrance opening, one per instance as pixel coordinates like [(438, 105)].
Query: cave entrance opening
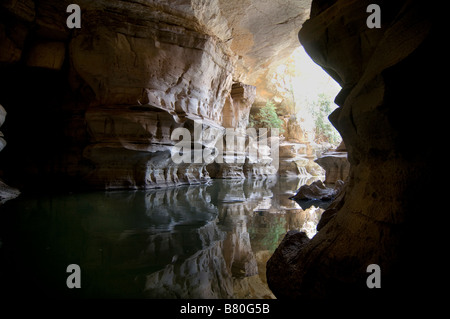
[(302, 94)]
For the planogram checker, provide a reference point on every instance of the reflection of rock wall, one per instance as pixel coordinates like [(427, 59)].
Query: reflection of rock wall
[(237, 248), (226, 266), (202, 241), (202, 275)]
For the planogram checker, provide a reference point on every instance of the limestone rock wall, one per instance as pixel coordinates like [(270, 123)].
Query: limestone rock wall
[(110, 94), (385, 77), (336, 166)]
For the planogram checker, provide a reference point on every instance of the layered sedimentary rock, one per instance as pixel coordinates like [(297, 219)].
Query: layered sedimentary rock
[(318, 191), (385, 75), (261, 35), (164, 87), (336, 166), (293, 149), (133, 72), (234, 143), (133, 147)]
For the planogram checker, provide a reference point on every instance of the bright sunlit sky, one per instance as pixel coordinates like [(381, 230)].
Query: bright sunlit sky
[(312, 79), (308, 82)]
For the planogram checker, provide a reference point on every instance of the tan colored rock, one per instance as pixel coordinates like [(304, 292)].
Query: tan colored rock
[(262, 34), (177, 57), (236, 110), (132, 148), (237, 163), (336, 165), (294, 132), (169, 71), (49, 55), (159, 68)]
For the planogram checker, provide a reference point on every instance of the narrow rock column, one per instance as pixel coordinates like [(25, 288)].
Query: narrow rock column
[(235, 119)]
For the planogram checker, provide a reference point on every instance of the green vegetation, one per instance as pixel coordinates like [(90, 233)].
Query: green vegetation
[(325, 131), (267, 117)]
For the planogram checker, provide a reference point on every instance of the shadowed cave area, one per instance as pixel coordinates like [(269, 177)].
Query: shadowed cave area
[(93, 110)]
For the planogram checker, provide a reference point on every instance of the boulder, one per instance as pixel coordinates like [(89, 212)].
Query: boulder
[(336, 166), (318, 191)]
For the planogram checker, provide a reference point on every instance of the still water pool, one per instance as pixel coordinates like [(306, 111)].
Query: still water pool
[(202, 241)]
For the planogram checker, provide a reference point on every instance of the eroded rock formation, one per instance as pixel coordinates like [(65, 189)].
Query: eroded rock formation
[(336, 166), (133, 72), (385, 74), (318, 191), (109, 95), (6, 192)]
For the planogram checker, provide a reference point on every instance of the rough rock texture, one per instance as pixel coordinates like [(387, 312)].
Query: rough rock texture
[(254, 26), (132, 147), (387, 93), (236, 110), (336, 166), (161, 83), (235, 118), (106, 97), (318, 191)]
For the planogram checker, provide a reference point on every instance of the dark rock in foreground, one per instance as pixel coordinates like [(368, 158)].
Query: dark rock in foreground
[(318, 191)]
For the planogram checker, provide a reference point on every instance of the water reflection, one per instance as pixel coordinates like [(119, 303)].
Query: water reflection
[(204, 241)]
